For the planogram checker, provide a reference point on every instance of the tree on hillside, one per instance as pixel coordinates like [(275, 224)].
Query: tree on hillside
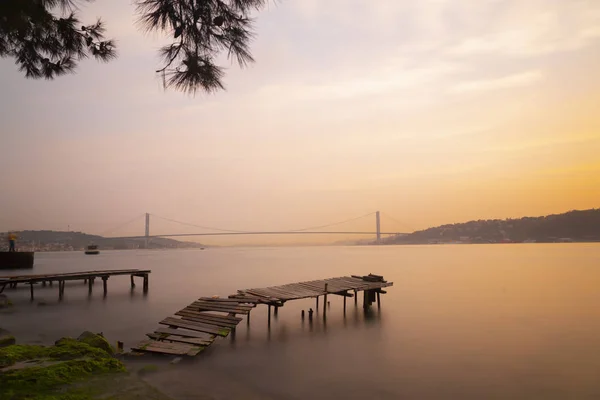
[(47, 39)]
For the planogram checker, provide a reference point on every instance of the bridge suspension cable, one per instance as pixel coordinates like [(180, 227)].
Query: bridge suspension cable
[(121, 225), (332, 224), (242, 231), (396, 221)]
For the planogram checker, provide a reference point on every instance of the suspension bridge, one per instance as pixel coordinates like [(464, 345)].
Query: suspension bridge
[(377, 233)]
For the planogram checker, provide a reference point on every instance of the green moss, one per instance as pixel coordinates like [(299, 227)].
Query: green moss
[(65, 349), (20, 352), (224, 332), (96, 341), (71, 361), (7, 340)]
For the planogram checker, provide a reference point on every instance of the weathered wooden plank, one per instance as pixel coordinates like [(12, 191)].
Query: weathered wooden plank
[(179, 349), (301, 289), (205, 314), (208, 318), (261, 293), (297, 290), (195, 326), (242, 297), (185, 333), (209, 307), (219, 324), (317, 288), (179, 339), (231, 300), (278, 293), (227, 304), (216, 308), (246, 307)]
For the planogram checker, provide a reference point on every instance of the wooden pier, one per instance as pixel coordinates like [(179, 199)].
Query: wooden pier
[(88, 277), (196, 326)]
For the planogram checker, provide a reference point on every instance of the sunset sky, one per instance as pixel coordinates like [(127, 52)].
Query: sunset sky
[(432, 111)]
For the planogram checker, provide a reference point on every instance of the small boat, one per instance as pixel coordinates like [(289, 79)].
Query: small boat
[(92, 249)]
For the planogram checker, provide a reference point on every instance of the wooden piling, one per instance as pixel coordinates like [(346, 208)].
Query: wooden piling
[(269, 318), (325, 301), (31, 288), (355, 297), (90, 285), (346, 292), (61, 289), (317, 307), (132, 282), (378, 300), (145, 283), (104, 286), (275, 310)]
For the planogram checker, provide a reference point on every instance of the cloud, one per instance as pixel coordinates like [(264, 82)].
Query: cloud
[(509, 81), (532, 28)]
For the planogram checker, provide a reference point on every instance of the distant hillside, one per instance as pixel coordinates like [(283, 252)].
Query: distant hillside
[(576, 226), (57, 240)]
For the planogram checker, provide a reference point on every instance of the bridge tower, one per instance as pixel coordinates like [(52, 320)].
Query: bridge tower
[(147, 234), (378, 226)]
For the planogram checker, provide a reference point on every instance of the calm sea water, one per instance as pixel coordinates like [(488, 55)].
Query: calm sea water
[(460, 322)]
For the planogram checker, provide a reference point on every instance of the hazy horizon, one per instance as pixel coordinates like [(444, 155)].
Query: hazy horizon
[(432, 112)]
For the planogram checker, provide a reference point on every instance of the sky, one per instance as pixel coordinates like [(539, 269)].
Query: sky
[(431, 111)]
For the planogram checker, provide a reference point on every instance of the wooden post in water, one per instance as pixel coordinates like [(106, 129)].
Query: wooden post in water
[(61, 289), (355, 297), (90, 284), (269, 318), (317, 307), (378, 300), (31, 288), (345, 293), (366, 298), (146, 283), (132, 282), (325, 303), (275, 310), (104, 279)]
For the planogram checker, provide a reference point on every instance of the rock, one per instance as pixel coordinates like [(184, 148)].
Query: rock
[(64, 341), (7, 340), (95, 340), (176, 360)]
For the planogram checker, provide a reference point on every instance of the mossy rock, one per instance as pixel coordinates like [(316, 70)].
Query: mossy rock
[(7, 340), (48, 382), (96, 341), (47, 373)]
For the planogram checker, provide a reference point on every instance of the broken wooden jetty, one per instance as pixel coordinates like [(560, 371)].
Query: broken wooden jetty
[(196, 326), (88, 277)]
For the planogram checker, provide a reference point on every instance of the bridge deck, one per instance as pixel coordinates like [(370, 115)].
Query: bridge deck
[(196, 326)]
